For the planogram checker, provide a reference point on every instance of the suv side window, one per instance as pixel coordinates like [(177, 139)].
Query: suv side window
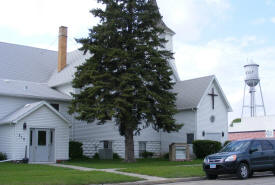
[(266, 145), (256, 145)]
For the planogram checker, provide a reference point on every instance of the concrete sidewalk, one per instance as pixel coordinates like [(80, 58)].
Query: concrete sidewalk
[(146, 177), (167, 181)]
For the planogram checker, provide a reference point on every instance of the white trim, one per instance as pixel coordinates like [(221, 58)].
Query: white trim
[(42, 103)]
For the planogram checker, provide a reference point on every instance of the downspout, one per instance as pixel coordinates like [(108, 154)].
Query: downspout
[(195, 110)]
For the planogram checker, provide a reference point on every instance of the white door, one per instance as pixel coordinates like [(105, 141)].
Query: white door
[(40, 145)]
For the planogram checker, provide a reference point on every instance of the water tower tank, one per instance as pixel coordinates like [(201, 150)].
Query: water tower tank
[(252, 74)]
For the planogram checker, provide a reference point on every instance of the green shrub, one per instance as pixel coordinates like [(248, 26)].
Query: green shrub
[(146, 155), (165, 156), (226, 142), (75, 150), (3, 156), (202, 148), (96, 156), (116, 156)]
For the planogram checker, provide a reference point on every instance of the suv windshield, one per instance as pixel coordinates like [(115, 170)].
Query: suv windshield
[(236, 146)]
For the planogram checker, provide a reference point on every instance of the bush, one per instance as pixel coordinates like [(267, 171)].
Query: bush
[(75, 150), (165, 156), (226, 142), (3, 156), (146, 155), (116, 156), (202, 148), (96, 156)]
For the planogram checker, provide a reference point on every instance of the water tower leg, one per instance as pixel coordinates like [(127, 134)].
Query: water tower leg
[(262, 98)]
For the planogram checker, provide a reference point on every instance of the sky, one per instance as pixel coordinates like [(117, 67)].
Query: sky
[(212, 37)]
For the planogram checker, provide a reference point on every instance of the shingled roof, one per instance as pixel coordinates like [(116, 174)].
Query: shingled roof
[(27, 89), (26, 63), (190, 92)]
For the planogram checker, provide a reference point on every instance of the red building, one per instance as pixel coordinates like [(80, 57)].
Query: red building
[(253, 127)]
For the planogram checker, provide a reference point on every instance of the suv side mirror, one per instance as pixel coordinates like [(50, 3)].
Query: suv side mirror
[(253, 150)]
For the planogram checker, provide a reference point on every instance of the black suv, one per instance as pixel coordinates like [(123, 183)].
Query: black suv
[(242, 158)]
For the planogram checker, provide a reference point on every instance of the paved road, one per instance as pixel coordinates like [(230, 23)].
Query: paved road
[(258, 179)]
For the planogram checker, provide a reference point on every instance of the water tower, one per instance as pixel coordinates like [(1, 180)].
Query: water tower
[(252, 80)]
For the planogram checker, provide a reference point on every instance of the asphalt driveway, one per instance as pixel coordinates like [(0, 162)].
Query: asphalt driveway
[(265, 178)]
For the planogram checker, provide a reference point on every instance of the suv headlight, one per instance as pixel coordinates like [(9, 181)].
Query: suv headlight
[(231, 158), (205, 160)]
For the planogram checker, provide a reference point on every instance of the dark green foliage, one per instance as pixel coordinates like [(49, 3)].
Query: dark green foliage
[(147, 155), (3, 156), (116, 156), (237, 120), (127, 78), (226, 142), (202, 148), (75, 150), (165, 156), (96, 156)]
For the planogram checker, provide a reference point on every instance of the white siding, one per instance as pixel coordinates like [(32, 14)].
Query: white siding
[(220, 112), (188, 118), (91, 134), (43, 118), (6, 140)]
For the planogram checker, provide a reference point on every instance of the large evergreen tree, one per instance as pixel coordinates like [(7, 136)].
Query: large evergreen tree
[(127, 79)]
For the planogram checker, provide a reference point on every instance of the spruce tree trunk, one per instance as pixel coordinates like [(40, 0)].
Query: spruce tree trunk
[(129, 146)]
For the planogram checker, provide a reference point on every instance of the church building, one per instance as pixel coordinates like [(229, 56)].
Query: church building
[(35, 87)]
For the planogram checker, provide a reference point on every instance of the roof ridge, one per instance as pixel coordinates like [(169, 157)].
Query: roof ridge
[(198, 78), (21, 45)]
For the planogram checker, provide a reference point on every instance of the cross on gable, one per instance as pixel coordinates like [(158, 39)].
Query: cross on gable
[(213, 98)]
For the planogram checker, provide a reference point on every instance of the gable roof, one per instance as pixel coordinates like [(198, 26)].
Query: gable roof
[(18, 88), (26, 110), (191, 92), (26, 63)]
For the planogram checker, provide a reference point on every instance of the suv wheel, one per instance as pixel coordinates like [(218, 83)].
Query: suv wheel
[(243, 171), (211, 176)]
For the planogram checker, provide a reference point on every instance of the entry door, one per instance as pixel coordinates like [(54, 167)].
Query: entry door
[(42, 145)]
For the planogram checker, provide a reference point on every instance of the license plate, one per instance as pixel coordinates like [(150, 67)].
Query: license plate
[(212, 165)]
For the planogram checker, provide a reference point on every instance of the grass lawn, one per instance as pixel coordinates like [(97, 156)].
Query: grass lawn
[(168, 171), (105, 164), (153, 167), (31, 174)]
